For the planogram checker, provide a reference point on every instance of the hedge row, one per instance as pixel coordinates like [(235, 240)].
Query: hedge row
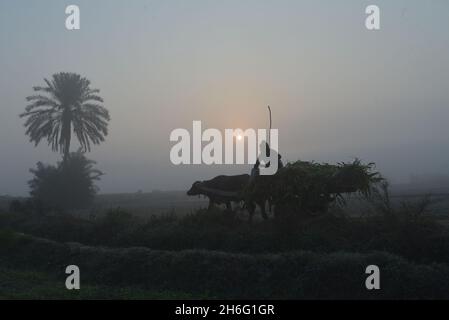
[(296, 275)]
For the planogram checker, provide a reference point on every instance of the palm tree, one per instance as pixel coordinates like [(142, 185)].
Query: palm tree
[(67, 103)]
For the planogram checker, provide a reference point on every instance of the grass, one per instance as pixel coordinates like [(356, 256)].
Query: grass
[(420, 240), (22, 284), (144, 273), (219, 255)]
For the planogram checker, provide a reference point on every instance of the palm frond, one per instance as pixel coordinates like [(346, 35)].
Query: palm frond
[(66, 104)]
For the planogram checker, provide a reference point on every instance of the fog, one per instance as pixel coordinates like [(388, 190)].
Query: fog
[(337, 90)]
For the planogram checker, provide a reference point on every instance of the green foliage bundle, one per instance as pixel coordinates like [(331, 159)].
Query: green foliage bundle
[(308, 187)]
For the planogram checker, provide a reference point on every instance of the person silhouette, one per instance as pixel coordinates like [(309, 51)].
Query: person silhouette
[(257, 187), (266, 158)]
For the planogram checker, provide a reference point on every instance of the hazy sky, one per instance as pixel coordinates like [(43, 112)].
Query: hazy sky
[(337, 90)]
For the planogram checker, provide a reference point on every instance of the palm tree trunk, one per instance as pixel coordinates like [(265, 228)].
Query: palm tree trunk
[(67, 142), (66, 134)]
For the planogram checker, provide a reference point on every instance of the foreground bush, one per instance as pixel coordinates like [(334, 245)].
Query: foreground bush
[(295, 275)]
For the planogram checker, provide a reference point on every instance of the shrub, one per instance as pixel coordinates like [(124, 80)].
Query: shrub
[(421, 241), (294, 275), (68, 185)]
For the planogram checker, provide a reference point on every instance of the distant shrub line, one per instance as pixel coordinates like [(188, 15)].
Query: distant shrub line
[(421, 241)]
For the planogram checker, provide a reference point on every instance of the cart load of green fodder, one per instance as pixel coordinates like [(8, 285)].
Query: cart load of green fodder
[(308, 187)]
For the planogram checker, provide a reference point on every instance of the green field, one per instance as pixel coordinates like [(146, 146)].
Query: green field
[(123, 254), (23, 284)]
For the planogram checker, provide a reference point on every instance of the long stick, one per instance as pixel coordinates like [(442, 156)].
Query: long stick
[(269, 133)]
